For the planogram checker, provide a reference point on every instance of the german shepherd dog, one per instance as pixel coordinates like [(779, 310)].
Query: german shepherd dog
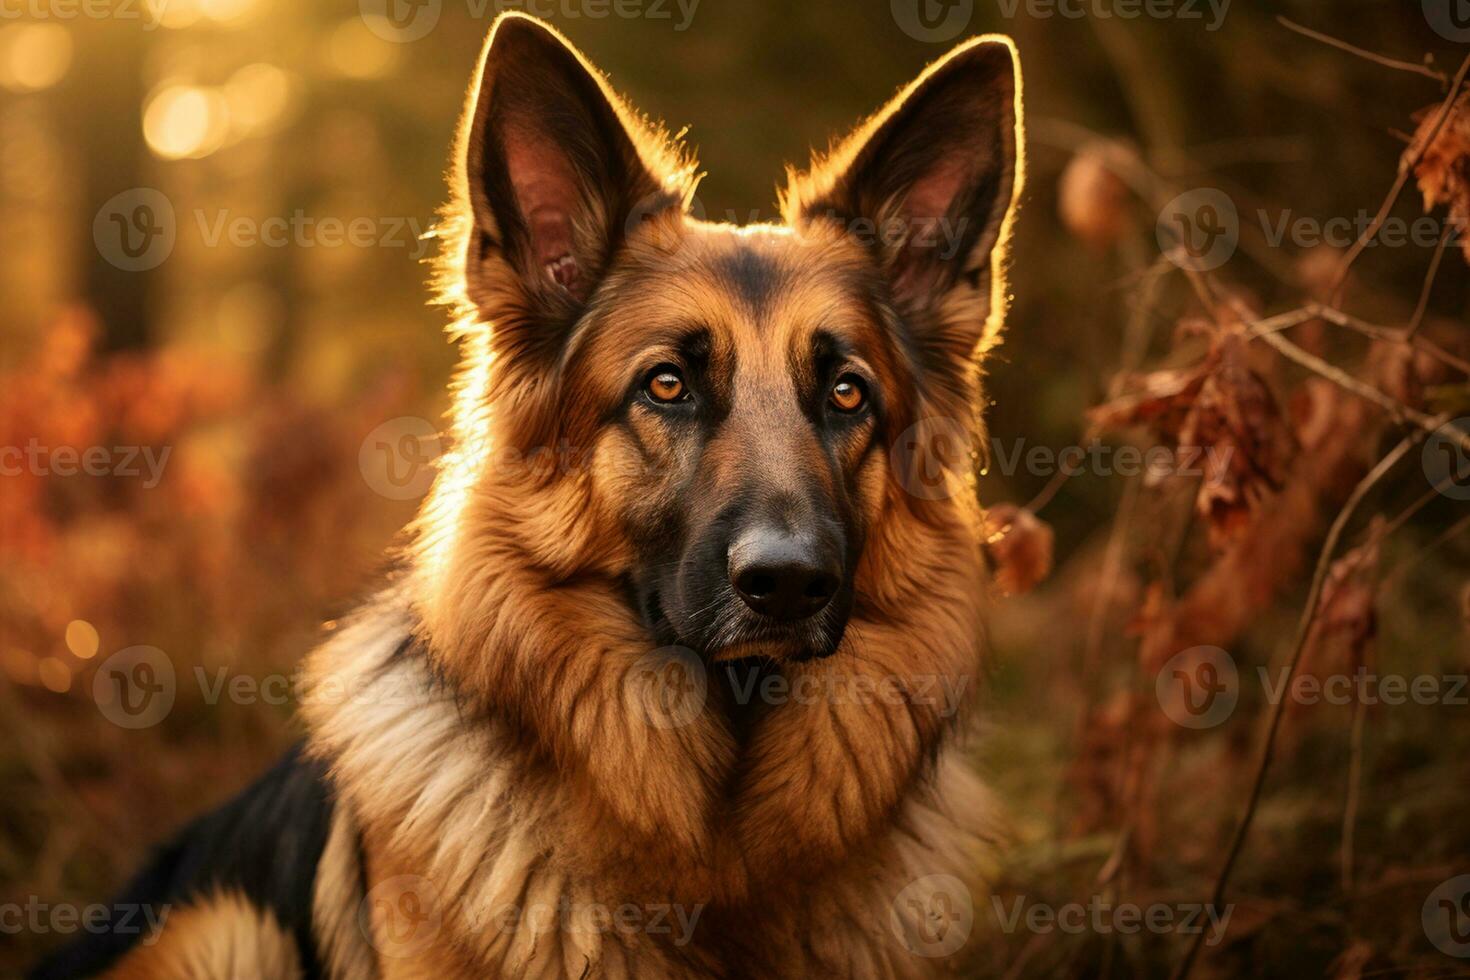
[(662, 703)]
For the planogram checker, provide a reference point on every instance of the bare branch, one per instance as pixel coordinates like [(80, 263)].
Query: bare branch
[(1406, 170), (1417, 320), (1391, 335), (1377, 59), (1395, 408), (1278, 709)]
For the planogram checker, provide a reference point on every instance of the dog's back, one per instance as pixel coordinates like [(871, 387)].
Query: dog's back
[(253, 860)]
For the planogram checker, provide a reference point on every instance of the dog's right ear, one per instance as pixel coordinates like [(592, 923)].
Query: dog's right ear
[(555, 170), (928, 185)]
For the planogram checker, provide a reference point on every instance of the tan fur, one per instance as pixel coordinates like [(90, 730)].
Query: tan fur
[(222, 935), (489, 747), (337, 898)]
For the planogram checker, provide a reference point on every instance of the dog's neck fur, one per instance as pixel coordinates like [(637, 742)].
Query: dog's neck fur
[(461, 802)]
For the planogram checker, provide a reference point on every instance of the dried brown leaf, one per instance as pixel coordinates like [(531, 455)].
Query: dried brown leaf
[(1222, 410), (1444, 171), (1020, 545)]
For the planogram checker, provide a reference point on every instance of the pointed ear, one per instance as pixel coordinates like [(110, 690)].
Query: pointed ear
[(928, 184), (555, 168)]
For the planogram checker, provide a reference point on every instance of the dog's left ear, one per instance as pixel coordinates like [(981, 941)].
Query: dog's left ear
[(927, 183), (556, 168)]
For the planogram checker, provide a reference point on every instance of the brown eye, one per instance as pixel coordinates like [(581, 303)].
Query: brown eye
[(666, 386), (848, 394)]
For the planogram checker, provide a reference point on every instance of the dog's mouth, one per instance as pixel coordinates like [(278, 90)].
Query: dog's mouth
[(724, 632)]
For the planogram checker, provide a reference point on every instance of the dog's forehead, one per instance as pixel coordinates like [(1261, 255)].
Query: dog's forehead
[(764, 283)]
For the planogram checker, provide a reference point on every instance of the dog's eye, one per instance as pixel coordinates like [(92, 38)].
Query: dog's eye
[(848, 394), (666, 385)]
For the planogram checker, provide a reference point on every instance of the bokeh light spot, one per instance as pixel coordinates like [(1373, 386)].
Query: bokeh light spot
[(357, 52), (82, 639), (227, 11), (185, 122), (33, 56), (55, 675), (173, 14), (257, 97)]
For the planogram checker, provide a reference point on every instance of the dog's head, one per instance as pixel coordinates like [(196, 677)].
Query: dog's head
[(721, 403)]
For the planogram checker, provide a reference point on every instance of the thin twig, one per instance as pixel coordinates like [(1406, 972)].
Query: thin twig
[(1450, 533), (1360, 707), (1395, 408), (1283, 321), (1114, 863), (1278, 709), (1126, 164), (1377, 59), (1354, 789), (1408, 514), (1406, 170), (1355, 747), (1417, 320), (1391, 335)]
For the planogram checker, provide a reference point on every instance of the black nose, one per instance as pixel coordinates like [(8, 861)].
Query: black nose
[(784, 576)]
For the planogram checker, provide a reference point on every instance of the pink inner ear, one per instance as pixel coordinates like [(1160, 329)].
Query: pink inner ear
[(932, 194), (546, 193), (924, 209)]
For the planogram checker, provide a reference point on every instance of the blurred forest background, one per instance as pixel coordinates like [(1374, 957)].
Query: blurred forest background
[(271, 371)]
